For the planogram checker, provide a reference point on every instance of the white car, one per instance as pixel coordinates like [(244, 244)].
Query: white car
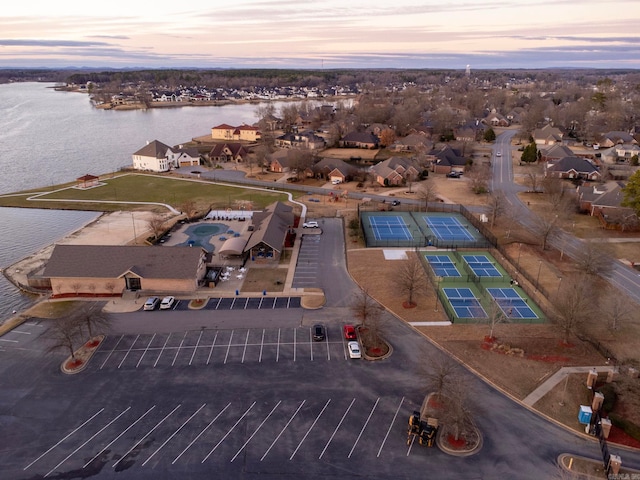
[(167, 303), (311, 224), (354, 350), (336, 181), (498, 154), (151, 303)]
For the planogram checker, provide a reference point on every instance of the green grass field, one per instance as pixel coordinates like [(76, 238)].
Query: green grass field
[(142, 188)]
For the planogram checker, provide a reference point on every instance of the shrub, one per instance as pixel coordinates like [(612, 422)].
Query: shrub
[(610, 397), (628, 427)]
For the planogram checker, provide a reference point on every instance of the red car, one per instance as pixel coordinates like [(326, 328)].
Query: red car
[(349, 332)]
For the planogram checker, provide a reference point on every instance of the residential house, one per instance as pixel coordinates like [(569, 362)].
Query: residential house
[(186, 157), (620, 153), (414, 142), (472, 131), (93, 270), (446, 159), (333, 169), (555, 152), (611, 139), (605, 202), (359, 140), (228, 152), (515, 115), (396, 171), (305, 140), (153, 157), (245, 133), (281, 162), (573, 167), (496, 120), (87, 181), (547, 135), (270, 231)]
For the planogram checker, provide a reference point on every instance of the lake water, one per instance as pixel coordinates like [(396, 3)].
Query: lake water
[(50, 137)]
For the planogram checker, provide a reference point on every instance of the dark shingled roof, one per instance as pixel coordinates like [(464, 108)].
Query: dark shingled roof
[(113, 261), (271, 226)]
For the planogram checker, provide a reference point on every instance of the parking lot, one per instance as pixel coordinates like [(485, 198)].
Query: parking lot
[(306, 274), (218, 347), (20, 336), (242, 303)]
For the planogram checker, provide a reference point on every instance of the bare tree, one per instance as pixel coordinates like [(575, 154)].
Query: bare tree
[(365, 308), (65, 335), (457, 416), (76, 286), (156, 225), (617, 307), (439, 372), (594, 259), (90, 316), (427, 192), (479, 179), (575, 304), (546, 223), (534, 176), (496, 206), (411, 278), (495, 316), (189, 208)]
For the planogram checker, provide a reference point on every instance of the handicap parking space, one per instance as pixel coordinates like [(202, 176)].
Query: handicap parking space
[(218, 347), (281, 435)]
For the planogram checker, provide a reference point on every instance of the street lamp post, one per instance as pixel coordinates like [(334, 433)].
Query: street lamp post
[(558, 291), (133, 221), (437, 290), (519, 249)]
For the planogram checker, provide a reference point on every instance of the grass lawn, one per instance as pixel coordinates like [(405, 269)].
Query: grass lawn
[(147, 188)]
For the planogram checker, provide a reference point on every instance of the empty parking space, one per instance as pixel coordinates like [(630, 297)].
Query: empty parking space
[(21, 335), (306, 274), (252, 303), (201, 435), (218, 347)]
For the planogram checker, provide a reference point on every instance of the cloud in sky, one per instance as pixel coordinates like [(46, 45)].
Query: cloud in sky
[(328, 34)]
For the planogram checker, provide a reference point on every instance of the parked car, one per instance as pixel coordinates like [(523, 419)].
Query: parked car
[(167, 303), (336, 181), (499, 154), (349, 332), (454, 174), (311, 224), (354, 350), (395, 203), (151, 303), (319, 333)]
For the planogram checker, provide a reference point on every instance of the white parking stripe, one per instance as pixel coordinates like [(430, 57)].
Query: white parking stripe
[(390, 426), (294, 344), (256, 430), (9, 341), (200, 434), (161, 350), (228, 347), (326, 339), (218, 304), (20, 331), (228, 433), (195, 349), (278, 349), (363, 427), (283, 429), (173, 434), (145, 436), (310, 428), (145, 350), (261, 346), (116, 439), (244, 351), (413, 437), (337, 427), (87, 441), (175, 357), (111, 352), (212, 345), (67, 436), (129, 350)]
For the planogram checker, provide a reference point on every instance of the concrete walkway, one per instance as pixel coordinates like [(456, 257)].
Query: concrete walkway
[(558, 377)]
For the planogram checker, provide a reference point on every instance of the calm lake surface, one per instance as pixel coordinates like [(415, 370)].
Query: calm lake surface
[(50, 137)]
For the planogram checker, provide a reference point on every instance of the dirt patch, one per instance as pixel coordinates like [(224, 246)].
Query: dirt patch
[(265, 279)]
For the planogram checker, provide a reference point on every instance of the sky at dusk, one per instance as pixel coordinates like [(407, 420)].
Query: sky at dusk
[(321, 34)]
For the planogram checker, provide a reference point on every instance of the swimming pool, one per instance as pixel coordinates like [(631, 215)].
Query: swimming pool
[(201, 235)]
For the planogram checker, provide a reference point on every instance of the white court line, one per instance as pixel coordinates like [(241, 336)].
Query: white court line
[(195, 349), (67, 436), (145, 436), (390, 426), (337, 427), (173, 434), (145, 350), (244, 351), (228, 348), (200, 434), (111, 352), (363, 427), (310, 428), (126, 354), (90, 438), (175, 357), (212, 345), (256, 430), (118, 437), (283, 429), (229, 432), (161, 350)]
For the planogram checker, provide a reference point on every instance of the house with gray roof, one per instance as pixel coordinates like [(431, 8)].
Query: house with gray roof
[(555, 152), (359, 140), (270, 230), (547, 135), (572, 167), (155, 156), (414, 142), (446, 159), (104, 270), (610, 139), (605, 202), (396, 171)]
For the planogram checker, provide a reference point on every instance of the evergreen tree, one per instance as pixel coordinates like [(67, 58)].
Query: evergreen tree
[(530, 153), (489, 135), (631, 193)]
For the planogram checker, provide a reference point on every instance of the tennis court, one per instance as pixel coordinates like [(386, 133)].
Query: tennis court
[(448, 228), (391, 227), (464, 303), (481, 266), (511, 303), (442, 266)]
